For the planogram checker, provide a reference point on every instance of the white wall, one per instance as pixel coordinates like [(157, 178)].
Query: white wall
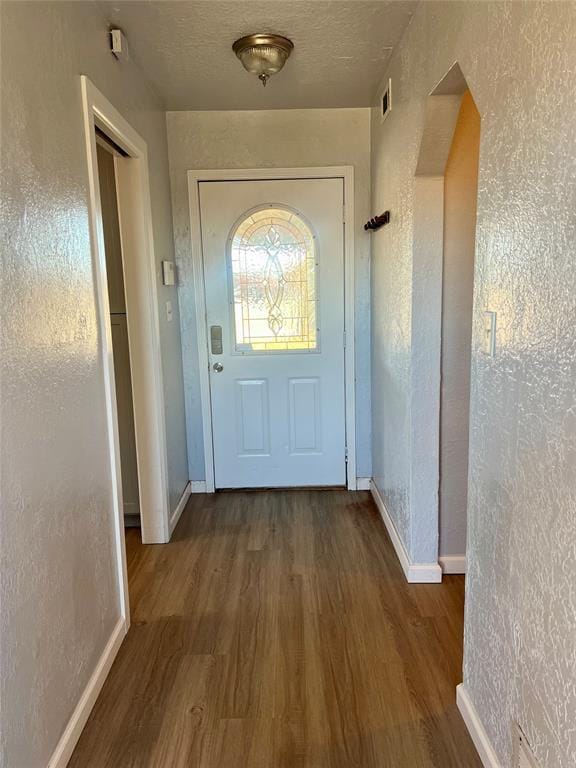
[(59, 588), (268, 139), (518, 59), (460, 200)]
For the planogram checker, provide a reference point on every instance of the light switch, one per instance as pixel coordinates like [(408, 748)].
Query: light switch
[(169, 311), (168, 273), (489, 334)]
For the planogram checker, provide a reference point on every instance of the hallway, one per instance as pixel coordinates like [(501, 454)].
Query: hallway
[(277, 630)]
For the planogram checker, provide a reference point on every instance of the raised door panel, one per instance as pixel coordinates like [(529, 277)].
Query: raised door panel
[(304, 410), (252, 417)]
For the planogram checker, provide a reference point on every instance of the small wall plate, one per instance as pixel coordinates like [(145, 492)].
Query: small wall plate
[(119, 44), (489, 333), (386, 101), (168, 273)]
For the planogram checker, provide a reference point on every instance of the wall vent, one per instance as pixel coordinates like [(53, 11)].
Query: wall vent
[(523, 757), (386, 100)]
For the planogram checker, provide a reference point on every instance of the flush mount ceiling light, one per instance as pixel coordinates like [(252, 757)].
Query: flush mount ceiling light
[(263, 55)]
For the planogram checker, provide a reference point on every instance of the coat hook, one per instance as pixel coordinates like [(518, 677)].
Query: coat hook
[(377, 222)]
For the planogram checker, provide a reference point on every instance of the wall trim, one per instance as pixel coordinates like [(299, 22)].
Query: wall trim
[(344, 172), (363, 483), (75, 725), (452, 563), (416, 573), (198, 486), (476, 729), (175, 516)]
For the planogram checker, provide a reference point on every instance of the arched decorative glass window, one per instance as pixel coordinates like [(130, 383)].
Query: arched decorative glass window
[(273, 267)]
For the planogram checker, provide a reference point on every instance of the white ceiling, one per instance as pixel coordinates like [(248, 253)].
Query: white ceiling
[(185, 48)]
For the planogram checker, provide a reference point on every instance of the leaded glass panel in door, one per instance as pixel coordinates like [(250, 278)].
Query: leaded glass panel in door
[(273, 263)]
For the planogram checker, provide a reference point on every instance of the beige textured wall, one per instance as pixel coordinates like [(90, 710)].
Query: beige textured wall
[(59, 589), (460, 199), (519, 60), (270, 139)]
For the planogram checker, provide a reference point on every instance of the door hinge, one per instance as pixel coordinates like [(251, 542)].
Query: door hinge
[(346, 454), (344, 212), (344, 339)]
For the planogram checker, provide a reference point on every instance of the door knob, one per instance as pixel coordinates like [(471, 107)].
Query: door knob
[(218, 367)]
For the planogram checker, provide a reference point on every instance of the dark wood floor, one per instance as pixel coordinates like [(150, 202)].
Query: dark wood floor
[(277, 630)]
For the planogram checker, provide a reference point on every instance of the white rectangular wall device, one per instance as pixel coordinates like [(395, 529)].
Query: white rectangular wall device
[(489, 334), (386, 100), (119, 44), (168, 273)]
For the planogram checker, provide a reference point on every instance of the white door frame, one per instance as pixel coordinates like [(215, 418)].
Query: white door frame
[(135, 213), (344, 172)]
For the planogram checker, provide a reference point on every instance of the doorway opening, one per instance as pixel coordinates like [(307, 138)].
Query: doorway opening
[(274, 297), (445, 204), (107, 154), (137, 334)]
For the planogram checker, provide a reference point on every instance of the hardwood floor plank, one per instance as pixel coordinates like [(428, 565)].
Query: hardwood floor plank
[(277, 630), (182, 736)]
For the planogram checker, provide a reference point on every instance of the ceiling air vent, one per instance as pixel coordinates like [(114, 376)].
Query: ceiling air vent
[(524, 757), (386, 100)]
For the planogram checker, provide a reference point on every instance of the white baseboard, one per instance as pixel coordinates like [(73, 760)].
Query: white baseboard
[(476, 729), (198, 486), (452, 563), (363, 483), (175, 516), (416, 573), (69, 738)]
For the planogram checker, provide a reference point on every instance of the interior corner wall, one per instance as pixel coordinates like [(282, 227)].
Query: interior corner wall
[(60, 592), (520, 622), (294, 138)]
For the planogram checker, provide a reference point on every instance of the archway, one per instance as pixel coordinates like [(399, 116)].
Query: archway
[(445, 201)]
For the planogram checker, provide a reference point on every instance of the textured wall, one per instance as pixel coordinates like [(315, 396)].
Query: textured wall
[(519, 60), (59, 594), (460, 202), (268, 139)]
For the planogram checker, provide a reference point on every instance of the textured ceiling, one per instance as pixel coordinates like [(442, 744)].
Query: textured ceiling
[(185, 48)]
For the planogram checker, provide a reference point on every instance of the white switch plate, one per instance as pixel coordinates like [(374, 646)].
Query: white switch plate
[(489, 334), (168, 273), (169, 311)]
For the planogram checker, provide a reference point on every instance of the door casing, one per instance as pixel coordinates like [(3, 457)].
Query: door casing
[(139, 263), (346, 173)]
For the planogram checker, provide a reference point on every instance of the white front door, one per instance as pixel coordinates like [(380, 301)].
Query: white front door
[(273, 254)]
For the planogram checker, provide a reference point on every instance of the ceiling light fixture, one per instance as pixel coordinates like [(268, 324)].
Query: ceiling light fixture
[(263, 55)]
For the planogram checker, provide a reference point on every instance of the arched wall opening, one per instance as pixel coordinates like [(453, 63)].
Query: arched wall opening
[(445, 203)]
